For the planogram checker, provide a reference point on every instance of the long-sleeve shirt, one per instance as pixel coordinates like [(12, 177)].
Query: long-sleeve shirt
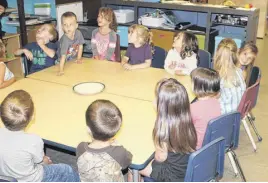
[(185, 65), (104, 45)]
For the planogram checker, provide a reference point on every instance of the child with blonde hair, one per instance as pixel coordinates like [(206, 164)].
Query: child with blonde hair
[(183, 57), (174, 134), (104, 38), (233, 85), (139, 52), (6, 76), (246, 58), (42, 53)]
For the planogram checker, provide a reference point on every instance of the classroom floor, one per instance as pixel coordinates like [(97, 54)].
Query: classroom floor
[(254, 164)]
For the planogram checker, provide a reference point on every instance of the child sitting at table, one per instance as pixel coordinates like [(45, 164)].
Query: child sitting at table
[(183, 57), (246, 57), (102, 159), (233, 84), (42, 53), (22, 154), (6, 76), (71, 43), (174, 134), (104, 38), (206, 87), (139, 52)]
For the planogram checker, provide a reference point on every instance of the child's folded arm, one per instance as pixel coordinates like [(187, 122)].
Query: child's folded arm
[(50, 52), (62, 62), (80, 52), (144, 65), (168, 61), (4, 83)]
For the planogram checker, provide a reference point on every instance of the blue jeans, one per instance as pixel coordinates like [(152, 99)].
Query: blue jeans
[(60, 173)]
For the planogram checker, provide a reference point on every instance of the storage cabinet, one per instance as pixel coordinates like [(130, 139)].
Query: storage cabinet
[(12, 42)]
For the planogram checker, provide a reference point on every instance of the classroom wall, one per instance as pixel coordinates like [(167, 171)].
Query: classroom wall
[(28, 8)]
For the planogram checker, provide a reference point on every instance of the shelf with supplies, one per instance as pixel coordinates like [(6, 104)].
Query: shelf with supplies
[(207, 13)]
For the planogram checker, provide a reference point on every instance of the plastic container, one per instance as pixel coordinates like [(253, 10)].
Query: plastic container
[(151, 21), (238, 38), (122, 31), (124, 15), (42, 9)]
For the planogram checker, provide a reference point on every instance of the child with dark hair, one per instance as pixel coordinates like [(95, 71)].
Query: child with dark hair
[(71, 43), (183, 57), (102, 159), (21, 154), (206, 87), (174, 135), (104, 38)]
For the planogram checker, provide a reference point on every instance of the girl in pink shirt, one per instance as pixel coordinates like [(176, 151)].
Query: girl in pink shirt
[(206, 87)]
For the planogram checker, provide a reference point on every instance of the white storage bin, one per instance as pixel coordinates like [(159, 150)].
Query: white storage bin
[(152, 22), (42, 9), (124, 15)]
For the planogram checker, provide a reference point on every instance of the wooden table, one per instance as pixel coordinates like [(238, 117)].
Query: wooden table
[(60, 116), (139, 84)]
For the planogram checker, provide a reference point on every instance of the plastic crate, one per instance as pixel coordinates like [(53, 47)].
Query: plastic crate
[(122, 31)]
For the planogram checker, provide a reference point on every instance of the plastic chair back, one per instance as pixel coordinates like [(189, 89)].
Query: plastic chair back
[(117, 49), (204, 59), (207, 163), (248, 100), (159, 57), (226, 126), (254, 76)]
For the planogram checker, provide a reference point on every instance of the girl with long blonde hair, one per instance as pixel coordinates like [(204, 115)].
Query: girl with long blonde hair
[(232, 81)]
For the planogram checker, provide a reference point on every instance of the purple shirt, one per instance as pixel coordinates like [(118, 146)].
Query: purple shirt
[(138, 55)]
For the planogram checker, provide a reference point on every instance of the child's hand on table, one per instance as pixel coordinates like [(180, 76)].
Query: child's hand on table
[(28, 54), (128, 66), (79, 61), (60, 73), (97, 57)]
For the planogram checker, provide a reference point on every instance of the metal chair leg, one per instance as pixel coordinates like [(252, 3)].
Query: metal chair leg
[(249, 134), (252, 116), (239, 166), (251, 121), (231, 158)]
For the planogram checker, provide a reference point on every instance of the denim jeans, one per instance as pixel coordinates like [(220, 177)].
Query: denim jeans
[(60, 173)]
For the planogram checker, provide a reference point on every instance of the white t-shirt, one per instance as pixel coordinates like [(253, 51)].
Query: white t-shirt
[(8, 73), (185, 65), (21, 155)]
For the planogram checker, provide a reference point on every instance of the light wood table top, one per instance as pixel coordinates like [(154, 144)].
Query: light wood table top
[(60, 116), (139, 84)]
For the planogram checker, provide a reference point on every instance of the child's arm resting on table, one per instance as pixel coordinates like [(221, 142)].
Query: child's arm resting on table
[(61, 65), (144, 65), (124, 60), (4, 83), (79, 55)]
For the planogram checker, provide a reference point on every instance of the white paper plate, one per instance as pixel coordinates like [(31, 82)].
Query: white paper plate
[(89, 88)]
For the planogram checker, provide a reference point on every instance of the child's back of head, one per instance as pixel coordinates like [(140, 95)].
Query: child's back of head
[(17, 110), (225, 61), (206, 82), (104, 119), (173, 127)]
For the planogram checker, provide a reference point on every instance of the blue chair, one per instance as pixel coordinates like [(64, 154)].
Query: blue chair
[(159, 58), (7, 179), (227, 126), (204, 59), (207, 163)]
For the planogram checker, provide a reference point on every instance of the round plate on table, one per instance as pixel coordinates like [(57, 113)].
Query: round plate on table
[(88, 88)]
